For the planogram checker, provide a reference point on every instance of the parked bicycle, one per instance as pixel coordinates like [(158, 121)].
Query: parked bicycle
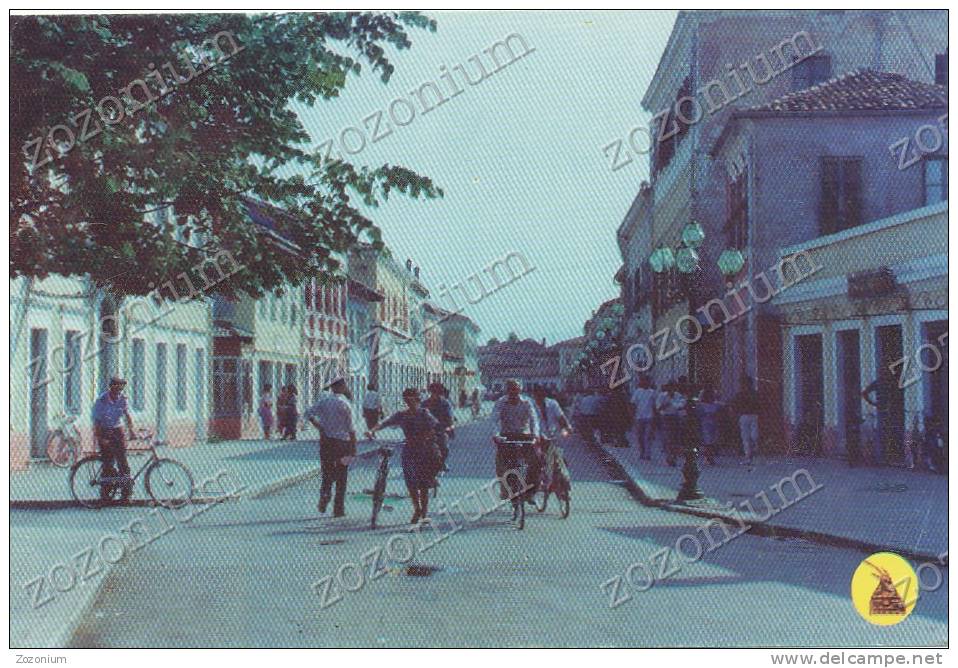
[(555, 479), (517, 477), (64, 442), (95, 484)]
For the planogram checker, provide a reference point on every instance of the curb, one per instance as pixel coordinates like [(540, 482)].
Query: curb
[(757, 527), (62, 504)]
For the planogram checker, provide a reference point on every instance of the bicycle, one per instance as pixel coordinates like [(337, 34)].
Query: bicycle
[(63, 443), (555, 470), (94, 484), (514, 462)]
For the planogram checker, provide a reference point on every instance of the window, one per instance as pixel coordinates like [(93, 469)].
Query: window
[(272, 308), (941, 68), (811, 71), (71, 379), (139, 379), (736, 225), (181, 377), (935, 180), (841, 190)]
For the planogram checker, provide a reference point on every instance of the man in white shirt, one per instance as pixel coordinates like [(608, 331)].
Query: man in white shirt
[(643, 398), (517, 420), (372, 407), (332, 415)]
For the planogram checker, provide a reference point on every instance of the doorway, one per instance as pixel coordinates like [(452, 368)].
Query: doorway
[(38, 393)]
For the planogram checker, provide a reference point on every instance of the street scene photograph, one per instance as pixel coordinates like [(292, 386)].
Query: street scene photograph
[(550, 328)]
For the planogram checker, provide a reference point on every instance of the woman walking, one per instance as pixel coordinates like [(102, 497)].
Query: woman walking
[(420, 455), (265, 410)]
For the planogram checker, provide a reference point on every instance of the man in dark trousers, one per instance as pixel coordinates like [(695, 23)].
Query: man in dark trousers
[(332, 415), (441, 409), (108, 411)]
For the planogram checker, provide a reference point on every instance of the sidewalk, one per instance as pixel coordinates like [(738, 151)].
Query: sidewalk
[(865, 507), (259, 467)]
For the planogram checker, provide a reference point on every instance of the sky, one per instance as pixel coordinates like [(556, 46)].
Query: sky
[(519, 156)]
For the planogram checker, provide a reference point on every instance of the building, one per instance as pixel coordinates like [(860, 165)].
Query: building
[(634, 238), (68, 338), (361, 308), (459, 336), (296, 335), (809, 166), (529, 361), (399, 355), (879, 301), (568, 352), (714, 63)]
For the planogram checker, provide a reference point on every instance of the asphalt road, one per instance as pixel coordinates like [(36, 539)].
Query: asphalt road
[(246, 576)]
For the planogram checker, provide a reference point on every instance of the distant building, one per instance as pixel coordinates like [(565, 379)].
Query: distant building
[(528, 360)]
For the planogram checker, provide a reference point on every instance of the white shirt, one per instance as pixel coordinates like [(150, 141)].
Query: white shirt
[(644, 401), (372, 402), (552, 421), (334, 414), (520, 417)]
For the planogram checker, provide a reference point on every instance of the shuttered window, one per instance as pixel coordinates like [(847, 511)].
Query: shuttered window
[(841, 194)]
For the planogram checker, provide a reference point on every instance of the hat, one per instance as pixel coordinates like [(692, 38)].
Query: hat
[(116, 380), (340, 381)]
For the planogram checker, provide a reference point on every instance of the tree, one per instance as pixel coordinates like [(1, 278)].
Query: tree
[(207, 127), (513, 337), (493, 341)]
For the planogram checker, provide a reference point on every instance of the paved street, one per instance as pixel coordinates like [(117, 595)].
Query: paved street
[(243, 575)]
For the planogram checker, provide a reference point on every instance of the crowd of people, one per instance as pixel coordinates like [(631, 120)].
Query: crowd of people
[(286, 413), (677, 414)]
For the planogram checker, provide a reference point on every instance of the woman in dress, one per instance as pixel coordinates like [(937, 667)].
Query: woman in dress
[(420, 454)]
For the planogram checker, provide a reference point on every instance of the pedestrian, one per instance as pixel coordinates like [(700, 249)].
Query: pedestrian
[(745, 405), (108, 410), (292, 411), (889, 403), (265, 410), (670, 405), (332, 415), (475, 403), (420, 455), (643, 402), (586, 415), (708, 409), (618, 417), (462, 398), (290, 415), (372, 406), (442, 410)]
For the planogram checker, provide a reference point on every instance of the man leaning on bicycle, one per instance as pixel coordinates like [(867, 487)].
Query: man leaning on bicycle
[(108, 410), (516, 418)]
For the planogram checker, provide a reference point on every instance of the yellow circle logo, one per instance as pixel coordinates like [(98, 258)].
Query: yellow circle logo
[(884, 589)]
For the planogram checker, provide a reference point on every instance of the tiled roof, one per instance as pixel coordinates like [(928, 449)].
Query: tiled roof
[(860, 90)]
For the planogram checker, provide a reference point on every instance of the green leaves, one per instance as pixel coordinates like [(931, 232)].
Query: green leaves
[(196, 146)]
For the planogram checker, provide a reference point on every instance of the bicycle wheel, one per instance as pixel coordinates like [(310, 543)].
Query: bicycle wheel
[(169, 483), (564, 504), (61, 450), (519, 512), (85, 482), (379, 491)]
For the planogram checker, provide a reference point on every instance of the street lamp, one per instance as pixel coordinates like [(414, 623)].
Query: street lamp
[(731, 261), (686, 260)]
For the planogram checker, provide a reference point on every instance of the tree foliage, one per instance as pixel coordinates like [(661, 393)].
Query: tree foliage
[(207, 143)]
